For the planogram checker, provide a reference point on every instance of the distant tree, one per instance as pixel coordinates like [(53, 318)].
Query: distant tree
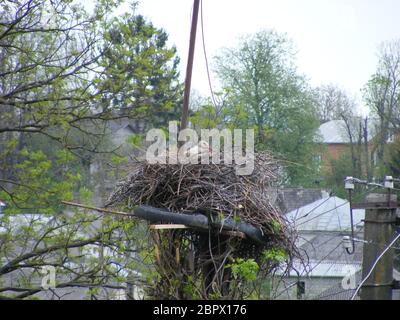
[(382, 94), (392, 158), (339, 170), (264, 91), (333, 103)]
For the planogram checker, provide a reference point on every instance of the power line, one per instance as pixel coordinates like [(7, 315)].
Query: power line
[(205, 54), (388, 183), (286, 290), (321, 214), (374, 264), (372, 243), (332, 264), (320, 261), (330, 210), (312, 210), (332, 294)]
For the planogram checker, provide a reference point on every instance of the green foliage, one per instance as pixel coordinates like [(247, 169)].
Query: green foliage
[(190, 288), (392, 158), (140, 76), (59, 87), (276, 226), (274, 255), (339, 170), (262, 90), (244, 269), (382, 96), (135, 140), (44, 182)]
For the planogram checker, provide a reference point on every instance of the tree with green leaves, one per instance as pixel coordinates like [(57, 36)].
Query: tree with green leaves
[(139, 71), (382, 95), (61, 79), (263, 90), (334, 103)]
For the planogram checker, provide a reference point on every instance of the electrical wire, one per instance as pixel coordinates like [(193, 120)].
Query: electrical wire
[(375, 185), (330, 210), (329, 268), (331, 294), (389, 246), (316, 207), (372, 243), (326, 256), (205, 55), (322, 213)]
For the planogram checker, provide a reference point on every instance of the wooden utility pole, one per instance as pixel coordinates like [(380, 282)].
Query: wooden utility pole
[(379, 229), (188, 79)]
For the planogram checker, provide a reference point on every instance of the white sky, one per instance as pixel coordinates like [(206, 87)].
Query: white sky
[(336, 39)]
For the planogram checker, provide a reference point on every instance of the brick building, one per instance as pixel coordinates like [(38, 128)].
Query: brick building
[(335, 140)]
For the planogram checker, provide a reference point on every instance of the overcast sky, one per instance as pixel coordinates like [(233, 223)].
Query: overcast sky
[(336, 39)]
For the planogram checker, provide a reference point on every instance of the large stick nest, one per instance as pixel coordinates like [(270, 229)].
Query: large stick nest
[(217, 191), (214, 189)]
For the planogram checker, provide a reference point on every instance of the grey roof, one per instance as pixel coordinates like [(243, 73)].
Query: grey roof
[(337, 292), (325, 269), (324, 256), (327, 214), (321, 226), (135, 126), (289, 199), (324, 247), (335, 131)]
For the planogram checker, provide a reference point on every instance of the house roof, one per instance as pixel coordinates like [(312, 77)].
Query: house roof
[(323, 255), (132, 125), (327, 214), (337, 292), (326, 269), (289, 199), (335, 131), (321, 226), (323, 247)]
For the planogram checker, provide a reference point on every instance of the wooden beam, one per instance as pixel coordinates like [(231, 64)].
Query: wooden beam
[(167, 226), (182, 226)]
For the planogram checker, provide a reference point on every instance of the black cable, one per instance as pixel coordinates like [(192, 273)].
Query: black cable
[(312, 210), (321, 214), (336, 207)]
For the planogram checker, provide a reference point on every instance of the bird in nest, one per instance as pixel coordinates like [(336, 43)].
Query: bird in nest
[(200, 149)]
